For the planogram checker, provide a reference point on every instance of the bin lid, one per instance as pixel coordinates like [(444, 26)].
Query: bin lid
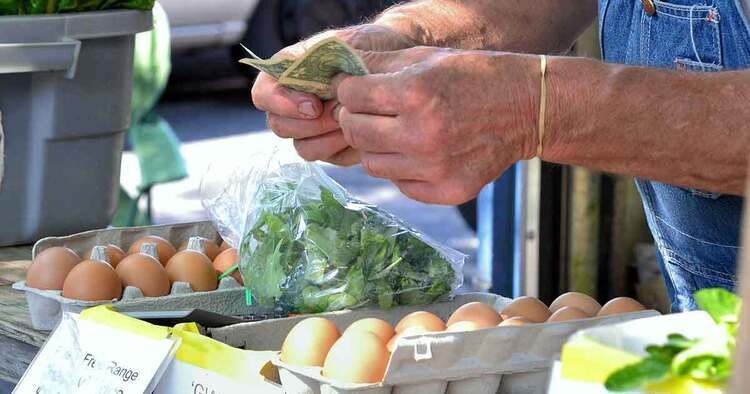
[(80, 25)]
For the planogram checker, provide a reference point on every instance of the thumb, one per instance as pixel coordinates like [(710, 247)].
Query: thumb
[(394, 61)]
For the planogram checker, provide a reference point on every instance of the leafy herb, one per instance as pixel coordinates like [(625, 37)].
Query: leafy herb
[(634, 376), (723, 306), (708, 359), (310, 253)]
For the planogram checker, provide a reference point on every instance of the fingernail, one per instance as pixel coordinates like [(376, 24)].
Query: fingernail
[(335, 112), (308, 109)]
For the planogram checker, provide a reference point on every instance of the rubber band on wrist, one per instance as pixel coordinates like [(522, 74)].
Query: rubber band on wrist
[(542, 102)]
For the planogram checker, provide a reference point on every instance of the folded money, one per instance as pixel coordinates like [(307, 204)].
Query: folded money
[(313, 71)]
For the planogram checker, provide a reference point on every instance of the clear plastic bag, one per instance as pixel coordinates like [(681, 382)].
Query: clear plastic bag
[(306, 245)]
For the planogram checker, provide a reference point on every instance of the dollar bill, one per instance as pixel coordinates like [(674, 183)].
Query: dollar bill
[(275, 66), (320, 63), (314, 70)]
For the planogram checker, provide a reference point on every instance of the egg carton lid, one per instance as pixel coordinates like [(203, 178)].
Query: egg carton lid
[(229, 299), (131, 293), (124, 237), (439, 356)]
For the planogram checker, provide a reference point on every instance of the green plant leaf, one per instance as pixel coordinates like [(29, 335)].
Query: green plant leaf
[(723, 305), (634, 376), (708, 359)]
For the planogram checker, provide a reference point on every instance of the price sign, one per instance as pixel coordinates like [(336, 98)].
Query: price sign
[(82, 356)]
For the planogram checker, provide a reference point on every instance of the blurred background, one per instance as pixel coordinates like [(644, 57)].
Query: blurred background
[(544, 229)]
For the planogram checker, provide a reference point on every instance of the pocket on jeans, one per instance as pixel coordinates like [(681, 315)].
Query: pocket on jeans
[(692, 65), (685, 36), (705, 194)]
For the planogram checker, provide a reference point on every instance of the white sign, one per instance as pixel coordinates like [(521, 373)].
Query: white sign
[(84, 357)]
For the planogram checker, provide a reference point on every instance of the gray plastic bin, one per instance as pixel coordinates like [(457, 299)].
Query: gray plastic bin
[(65, 90)]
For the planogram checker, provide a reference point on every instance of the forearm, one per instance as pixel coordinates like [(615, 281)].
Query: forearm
[(681, 128), (539, 26)]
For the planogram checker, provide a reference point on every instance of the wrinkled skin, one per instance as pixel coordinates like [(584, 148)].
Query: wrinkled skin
[(306, 119), (422, 120)]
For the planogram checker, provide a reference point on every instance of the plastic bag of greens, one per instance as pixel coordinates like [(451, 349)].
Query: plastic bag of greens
[(306, 245)]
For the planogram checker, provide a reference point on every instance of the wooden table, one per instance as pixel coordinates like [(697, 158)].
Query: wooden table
[(19, 342)]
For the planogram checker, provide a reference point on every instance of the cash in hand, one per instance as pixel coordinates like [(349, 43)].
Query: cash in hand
[(314, 70)]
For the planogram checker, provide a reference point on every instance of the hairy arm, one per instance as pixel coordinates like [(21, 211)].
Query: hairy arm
[(537, 26), (683, 128)]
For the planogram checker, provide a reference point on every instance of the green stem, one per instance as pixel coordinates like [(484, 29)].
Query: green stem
[(229, 271), (51, 6)]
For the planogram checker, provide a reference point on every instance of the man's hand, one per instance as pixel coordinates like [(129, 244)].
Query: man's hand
[(303, 116), (441, 123)]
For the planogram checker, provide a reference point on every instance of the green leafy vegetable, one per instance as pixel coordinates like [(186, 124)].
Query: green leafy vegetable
[(308, 252), (709, 359), (706, 360), (723, 306), (634, 376)]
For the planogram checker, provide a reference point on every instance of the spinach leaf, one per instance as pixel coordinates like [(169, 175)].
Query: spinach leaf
[(311, 253), (708, 359), (634, 376)]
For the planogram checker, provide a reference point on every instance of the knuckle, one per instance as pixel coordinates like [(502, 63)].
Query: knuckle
[(368, 166), (344, 93), (372, 167), (430, 144), (350, 131), (409, 190), (440, 172)]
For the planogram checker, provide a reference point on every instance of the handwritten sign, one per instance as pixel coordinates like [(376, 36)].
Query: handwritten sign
[(86, 357)]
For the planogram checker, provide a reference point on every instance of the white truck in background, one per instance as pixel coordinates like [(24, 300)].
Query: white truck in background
[(264, 25)]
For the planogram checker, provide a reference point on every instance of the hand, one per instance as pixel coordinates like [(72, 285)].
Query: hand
[(441, 123), (303, 116)]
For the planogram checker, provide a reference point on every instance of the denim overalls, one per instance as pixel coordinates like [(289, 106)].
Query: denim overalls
[(696, 232)]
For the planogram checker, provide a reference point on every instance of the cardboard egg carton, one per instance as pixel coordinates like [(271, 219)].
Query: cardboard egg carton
[(46, 306), (514, 359)]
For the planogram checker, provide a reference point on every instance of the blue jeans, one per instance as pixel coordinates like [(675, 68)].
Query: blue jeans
[(696, 232)]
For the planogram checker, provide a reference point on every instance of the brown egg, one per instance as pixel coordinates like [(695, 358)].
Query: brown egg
[(577, 300), (514, 321), (466, 325), (164, 249), (477, 312), (144, 271), (114, 254), (92, 280), (528, 307), (50, 267), (414, 330), (429, 321), (620, 305), (358, 357), (379, 327), (309, 341), (568, 313), (225, 260), (194, 268), (209, 247)]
